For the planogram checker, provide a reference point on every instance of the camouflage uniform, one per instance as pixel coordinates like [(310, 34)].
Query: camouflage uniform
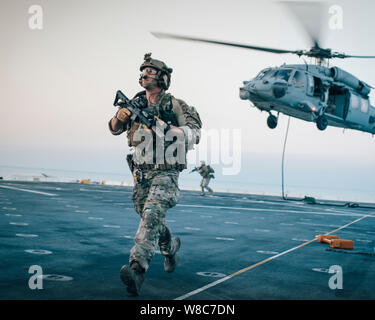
[(205, 172), (156, 185)]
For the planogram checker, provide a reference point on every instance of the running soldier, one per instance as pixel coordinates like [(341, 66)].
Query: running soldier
[(155, 166), (207, 174)]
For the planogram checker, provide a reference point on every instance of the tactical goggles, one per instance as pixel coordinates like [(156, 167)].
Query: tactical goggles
[(149, 71)]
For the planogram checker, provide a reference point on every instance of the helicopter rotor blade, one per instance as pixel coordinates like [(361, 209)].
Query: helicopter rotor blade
[(344, 56), (232, 44), (310, 16)]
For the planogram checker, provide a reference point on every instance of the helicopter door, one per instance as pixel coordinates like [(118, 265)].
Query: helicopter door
[(319, 90), (338, 102)]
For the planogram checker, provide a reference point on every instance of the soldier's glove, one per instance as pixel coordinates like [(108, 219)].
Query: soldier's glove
[(123, 114)]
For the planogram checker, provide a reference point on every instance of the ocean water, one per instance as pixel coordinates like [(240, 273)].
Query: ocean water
[(248, 184)]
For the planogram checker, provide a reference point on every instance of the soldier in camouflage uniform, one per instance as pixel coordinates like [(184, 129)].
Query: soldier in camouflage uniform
[(207, 174), (155, 182)]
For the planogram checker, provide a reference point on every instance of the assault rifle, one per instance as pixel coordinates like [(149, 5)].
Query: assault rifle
[(195, 169), (136, 108), (211, 171)]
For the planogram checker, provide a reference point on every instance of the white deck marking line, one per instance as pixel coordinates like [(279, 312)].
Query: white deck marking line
[(104, 191), (212, 284), (32, 191), (350, 214)]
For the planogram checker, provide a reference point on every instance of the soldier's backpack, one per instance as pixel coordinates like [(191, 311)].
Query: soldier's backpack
[(190, 111), (211, 171)]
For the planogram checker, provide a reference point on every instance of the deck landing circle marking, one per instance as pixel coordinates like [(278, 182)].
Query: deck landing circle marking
[(26, 235), (225, 239), (267, 252), (19, 223), (211, 274), (190, 228), (55, 277), (320, 270), (38, 251)]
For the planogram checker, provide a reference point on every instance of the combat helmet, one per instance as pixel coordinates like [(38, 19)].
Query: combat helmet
[(164, 73)]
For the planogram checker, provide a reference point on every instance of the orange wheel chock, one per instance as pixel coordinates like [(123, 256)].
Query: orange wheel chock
[(335, 242), (326, 238), (342, 244)]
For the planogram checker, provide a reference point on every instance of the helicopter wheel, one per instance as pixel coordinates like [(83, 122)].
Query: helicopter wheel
[(272, 121), (321, 122)]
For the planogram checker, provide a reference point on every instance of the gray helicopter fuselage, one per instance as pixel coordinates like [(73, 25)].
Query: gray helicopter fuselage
[(308, 92)]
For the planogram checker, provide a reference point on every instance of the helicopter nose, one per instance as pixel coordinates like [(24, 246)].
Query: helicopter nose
[(244, 94), (247, 90)]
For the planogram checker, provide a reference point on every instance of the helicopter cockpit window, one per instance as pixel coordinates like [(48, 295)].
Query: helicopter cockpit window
[(283, 74), (262, 74), (299, 79)]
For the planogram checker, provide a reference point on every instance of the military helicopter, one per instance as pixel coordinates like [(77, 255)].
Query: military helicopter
[(311, 92)]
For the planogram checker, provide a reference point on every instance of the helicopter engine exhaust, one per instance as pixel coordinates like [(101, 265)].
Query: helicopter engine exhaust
[(350, 80)]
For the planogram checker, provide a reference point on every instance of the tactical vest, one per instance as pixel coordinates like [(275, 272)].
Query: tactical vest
[(206, 171), (164, 110)]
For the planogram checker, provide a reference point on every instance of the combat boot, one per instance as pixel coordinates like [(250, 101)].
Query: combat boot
[(133, 277), (170, 261)]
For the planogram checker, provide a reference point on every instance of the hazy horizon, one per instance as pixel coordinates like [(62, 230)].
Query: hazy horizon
[(58, 86)]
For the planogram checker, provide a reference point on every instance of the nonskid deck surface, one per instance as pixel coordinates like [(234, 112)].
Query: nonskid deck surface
[(233, 246)]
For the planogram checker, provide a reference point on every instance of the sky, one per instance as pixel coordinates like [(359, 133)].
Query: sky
[(58, 85)]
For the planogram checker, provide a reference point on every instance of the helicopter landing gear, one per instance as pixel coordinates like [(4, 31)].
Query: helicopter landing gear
[(322, 122), (272, 121)]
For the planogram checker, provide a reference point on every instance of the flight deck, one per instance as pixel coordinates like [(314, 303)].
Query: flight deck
[(233, 246)]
